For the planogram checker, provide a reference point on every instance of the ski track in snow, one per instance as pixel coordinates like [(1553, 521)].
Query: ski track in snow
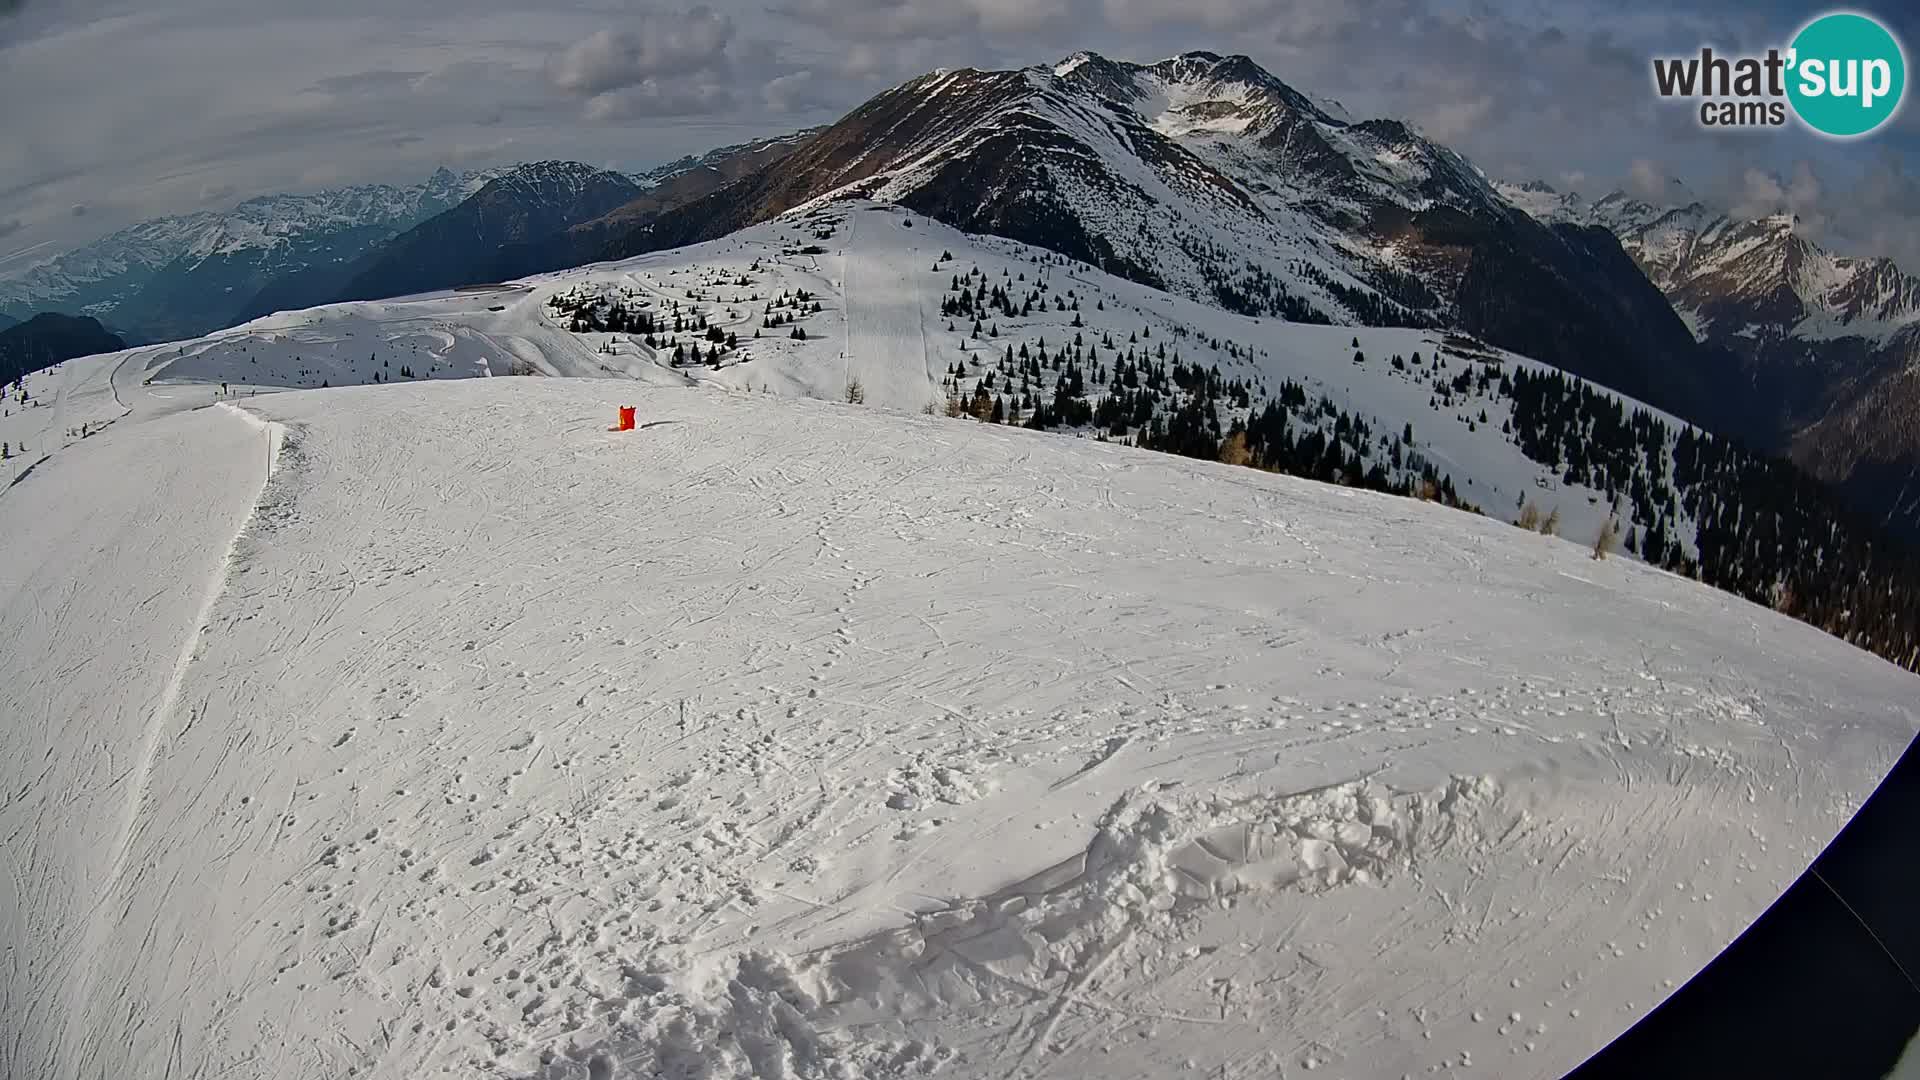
[(103, 597), (432, 729), (886, 315), (795, 739)]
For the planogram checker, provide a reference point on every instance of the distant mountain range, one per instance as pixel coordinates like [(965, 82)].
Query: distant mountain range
[(183, 276), (536, 217), (502, 231), (675, 185), (186, 275), (1825, 347)]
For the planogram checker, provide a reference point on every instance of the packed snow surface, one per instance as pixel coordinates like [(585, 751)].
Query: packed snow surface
[(436, 730)]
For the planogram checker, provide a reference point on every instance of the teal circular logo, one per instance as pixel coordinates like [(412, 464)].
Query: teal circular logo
[(1847, 75)]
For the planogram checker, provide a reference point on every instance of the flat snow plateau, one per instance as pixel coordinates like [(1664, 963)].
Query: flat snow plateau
[(435, 730)]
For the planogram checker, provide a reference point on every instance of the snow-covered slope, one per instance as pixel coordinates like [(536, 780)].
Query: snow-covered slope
[(434, 729), (880, 278)]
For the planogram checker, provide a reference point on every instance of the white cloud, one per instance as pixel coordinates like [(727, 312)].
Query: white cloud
[(1762, 193), (654, 47), (1448, 121), (801, 91), (1646, 179), (655, 98)]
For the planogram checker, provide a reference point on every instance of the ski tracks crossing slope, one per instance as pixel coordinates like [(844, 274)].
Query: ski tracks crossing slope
[(105, 599)]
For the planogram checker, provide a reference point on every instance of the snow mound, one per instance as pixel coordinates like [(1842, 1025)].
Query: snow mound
[(1154, 857)]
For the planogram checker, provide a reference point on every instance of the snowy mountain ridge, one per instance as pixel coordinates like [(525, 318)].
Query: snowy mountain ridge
[(661, 174), (281, 219), (181, 276), (262, 221), (1242, 153), (556, 181), (1720, 269)]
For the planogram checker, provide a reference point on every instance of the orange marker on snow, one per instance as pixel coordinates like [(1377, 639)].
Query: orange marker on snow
[(626, 419)]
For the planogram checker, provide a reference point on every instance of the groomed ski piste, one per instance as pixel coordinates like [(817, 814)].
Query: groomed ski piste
[(433, 729)]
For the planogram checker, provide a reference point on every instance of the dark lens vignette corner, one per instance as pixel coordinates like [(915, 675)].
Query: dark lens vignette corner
[(1821, 985)]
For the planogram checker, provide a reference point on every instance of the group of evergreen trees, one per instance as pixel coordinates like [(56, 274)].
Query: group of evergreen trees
[(685, 334), (1752, 525), (1245, 287), (787, 309), (1150, 396), (1290, 435)]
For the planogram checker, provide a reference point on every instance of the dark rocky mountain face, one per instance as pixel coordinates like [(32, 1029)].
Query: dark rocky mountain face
[(506, 229), (1207, 176), (48, 339), (1868, 444), (678, 184)]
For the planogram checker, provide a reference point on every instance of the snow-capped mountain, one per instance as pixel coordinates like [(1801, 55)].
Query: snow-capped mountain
[(526, 219), (1826, 344), (1208, 176), (1544, 202), (1759, 280), (181, 276)]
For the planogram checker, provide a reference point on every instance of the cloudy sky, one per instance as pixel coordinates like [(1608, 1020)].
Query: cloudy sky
[(117, 111)]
